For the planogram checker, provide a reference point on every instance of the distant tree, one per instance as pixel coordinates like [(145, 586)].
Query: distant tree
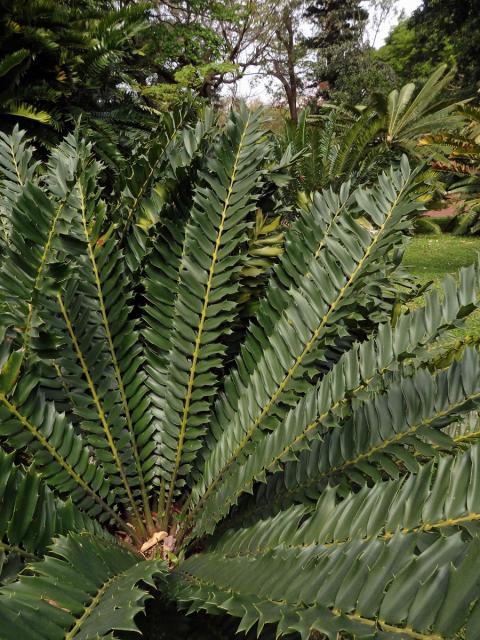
[(379, 12), (360, 76), (196, 45), (284, 56), (245, 30), (439, 31), (338, 28)]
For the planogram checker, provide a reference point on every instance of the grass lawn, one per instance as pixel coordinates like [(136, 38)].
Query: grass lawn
[(432, 257)]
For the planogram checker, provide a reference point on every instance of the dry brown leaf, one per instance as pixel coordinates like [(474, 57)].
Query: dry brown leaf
[(157, 537), (56, 604)]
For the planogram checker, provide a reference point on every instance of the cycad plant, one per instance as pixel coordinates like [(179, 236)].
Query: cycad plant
[(355, 144), (457, 156), (300, 478)]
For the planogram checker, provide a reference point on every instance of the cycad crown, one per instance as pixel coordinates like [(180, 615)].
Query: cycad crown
[(282, 458)]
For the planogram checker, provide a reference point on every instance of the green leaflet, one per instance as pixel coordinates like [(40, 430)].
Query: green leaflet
[(93, 573), (319, 304)]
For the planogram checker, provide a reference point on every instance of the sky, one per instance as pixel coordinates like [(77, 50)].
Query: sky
[(252, 88), (408, 7)]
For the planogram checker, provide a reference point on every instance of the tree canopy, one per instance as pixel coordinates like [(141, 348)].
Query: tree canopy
[(438, 31)]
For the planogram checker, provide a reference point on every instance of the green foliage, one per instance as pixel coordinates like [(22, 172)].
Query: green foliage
[(402, 52), (196, 401), (428, 227), (409, 113), (112, 67), (438, 32), (457, 156), (359, 76), (59, 60), (337, 32), (341, 143), (84, 585)]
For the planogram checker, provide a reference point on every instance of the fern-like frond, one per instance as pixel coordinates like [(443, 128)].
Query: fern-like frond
[(310, 229), (161, 288), (439, 501), (16, 169), (410, 115), (70, 593), (106, 358), (440, 498), (382, 437), (157, 175), (357, 375), (62, 457), (36, 220), (12, 60), (27, 111), (407, 586)]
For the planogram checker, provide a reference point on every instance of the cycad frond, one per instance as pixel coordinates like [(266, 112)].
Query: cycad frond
[(360, 587), (409, 115), (76, 583), (355, 379), (16, 169), (61, 455), (437, 501), (204, 306), (157, 176), (32, 515), (26, 111)]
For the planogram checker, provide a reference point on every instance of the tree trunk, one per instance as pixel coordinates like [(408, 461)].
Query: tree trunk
[(291, 92)]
